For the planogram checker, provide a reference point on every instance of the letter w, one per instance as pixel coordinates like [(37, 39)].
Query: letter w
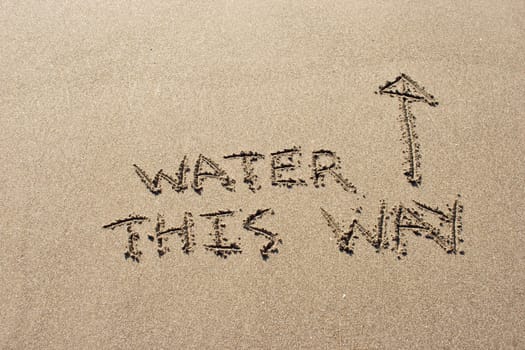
[(177, 182)]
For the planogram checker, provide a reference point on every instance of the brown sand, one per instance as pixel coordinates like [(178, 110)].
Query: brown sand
[(90, 89)]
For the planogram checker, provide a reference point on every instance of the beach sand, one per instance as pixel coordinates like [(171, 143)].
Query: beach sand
[(409, 113)]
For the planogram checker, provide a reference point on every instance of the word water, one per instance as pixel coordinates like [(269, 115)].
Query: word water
[(285, 166)]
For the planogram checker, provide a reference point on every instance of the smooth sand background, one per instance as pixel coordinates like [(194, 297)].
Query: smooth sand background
[(89, 88)]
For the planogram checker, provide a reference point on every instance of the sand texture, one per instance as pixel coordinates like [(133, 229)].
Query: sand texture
[(262, 174)]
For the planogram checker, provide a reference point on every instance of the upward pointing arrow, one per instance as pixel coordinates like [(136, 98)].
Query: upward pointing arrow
[(408, 91)]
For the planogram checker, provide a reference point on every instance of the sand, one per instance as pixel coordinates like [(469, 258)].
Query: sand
[(262, 175)]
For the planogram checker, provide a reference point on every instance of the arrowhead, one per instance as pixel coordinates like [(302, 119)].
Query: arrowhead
[(404, 86)]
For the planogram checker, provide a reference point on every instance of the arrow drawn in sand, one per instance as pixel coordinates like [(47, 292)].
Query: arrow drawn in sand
[(408, 91)]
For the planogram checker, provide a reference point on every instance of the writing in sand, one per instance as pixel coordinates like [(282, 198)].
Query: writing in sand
[(218, 231)]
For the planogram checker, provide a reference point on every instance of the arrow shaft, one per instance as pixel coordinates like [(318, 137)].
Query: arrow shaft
[(410, 139), (408, 91)]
